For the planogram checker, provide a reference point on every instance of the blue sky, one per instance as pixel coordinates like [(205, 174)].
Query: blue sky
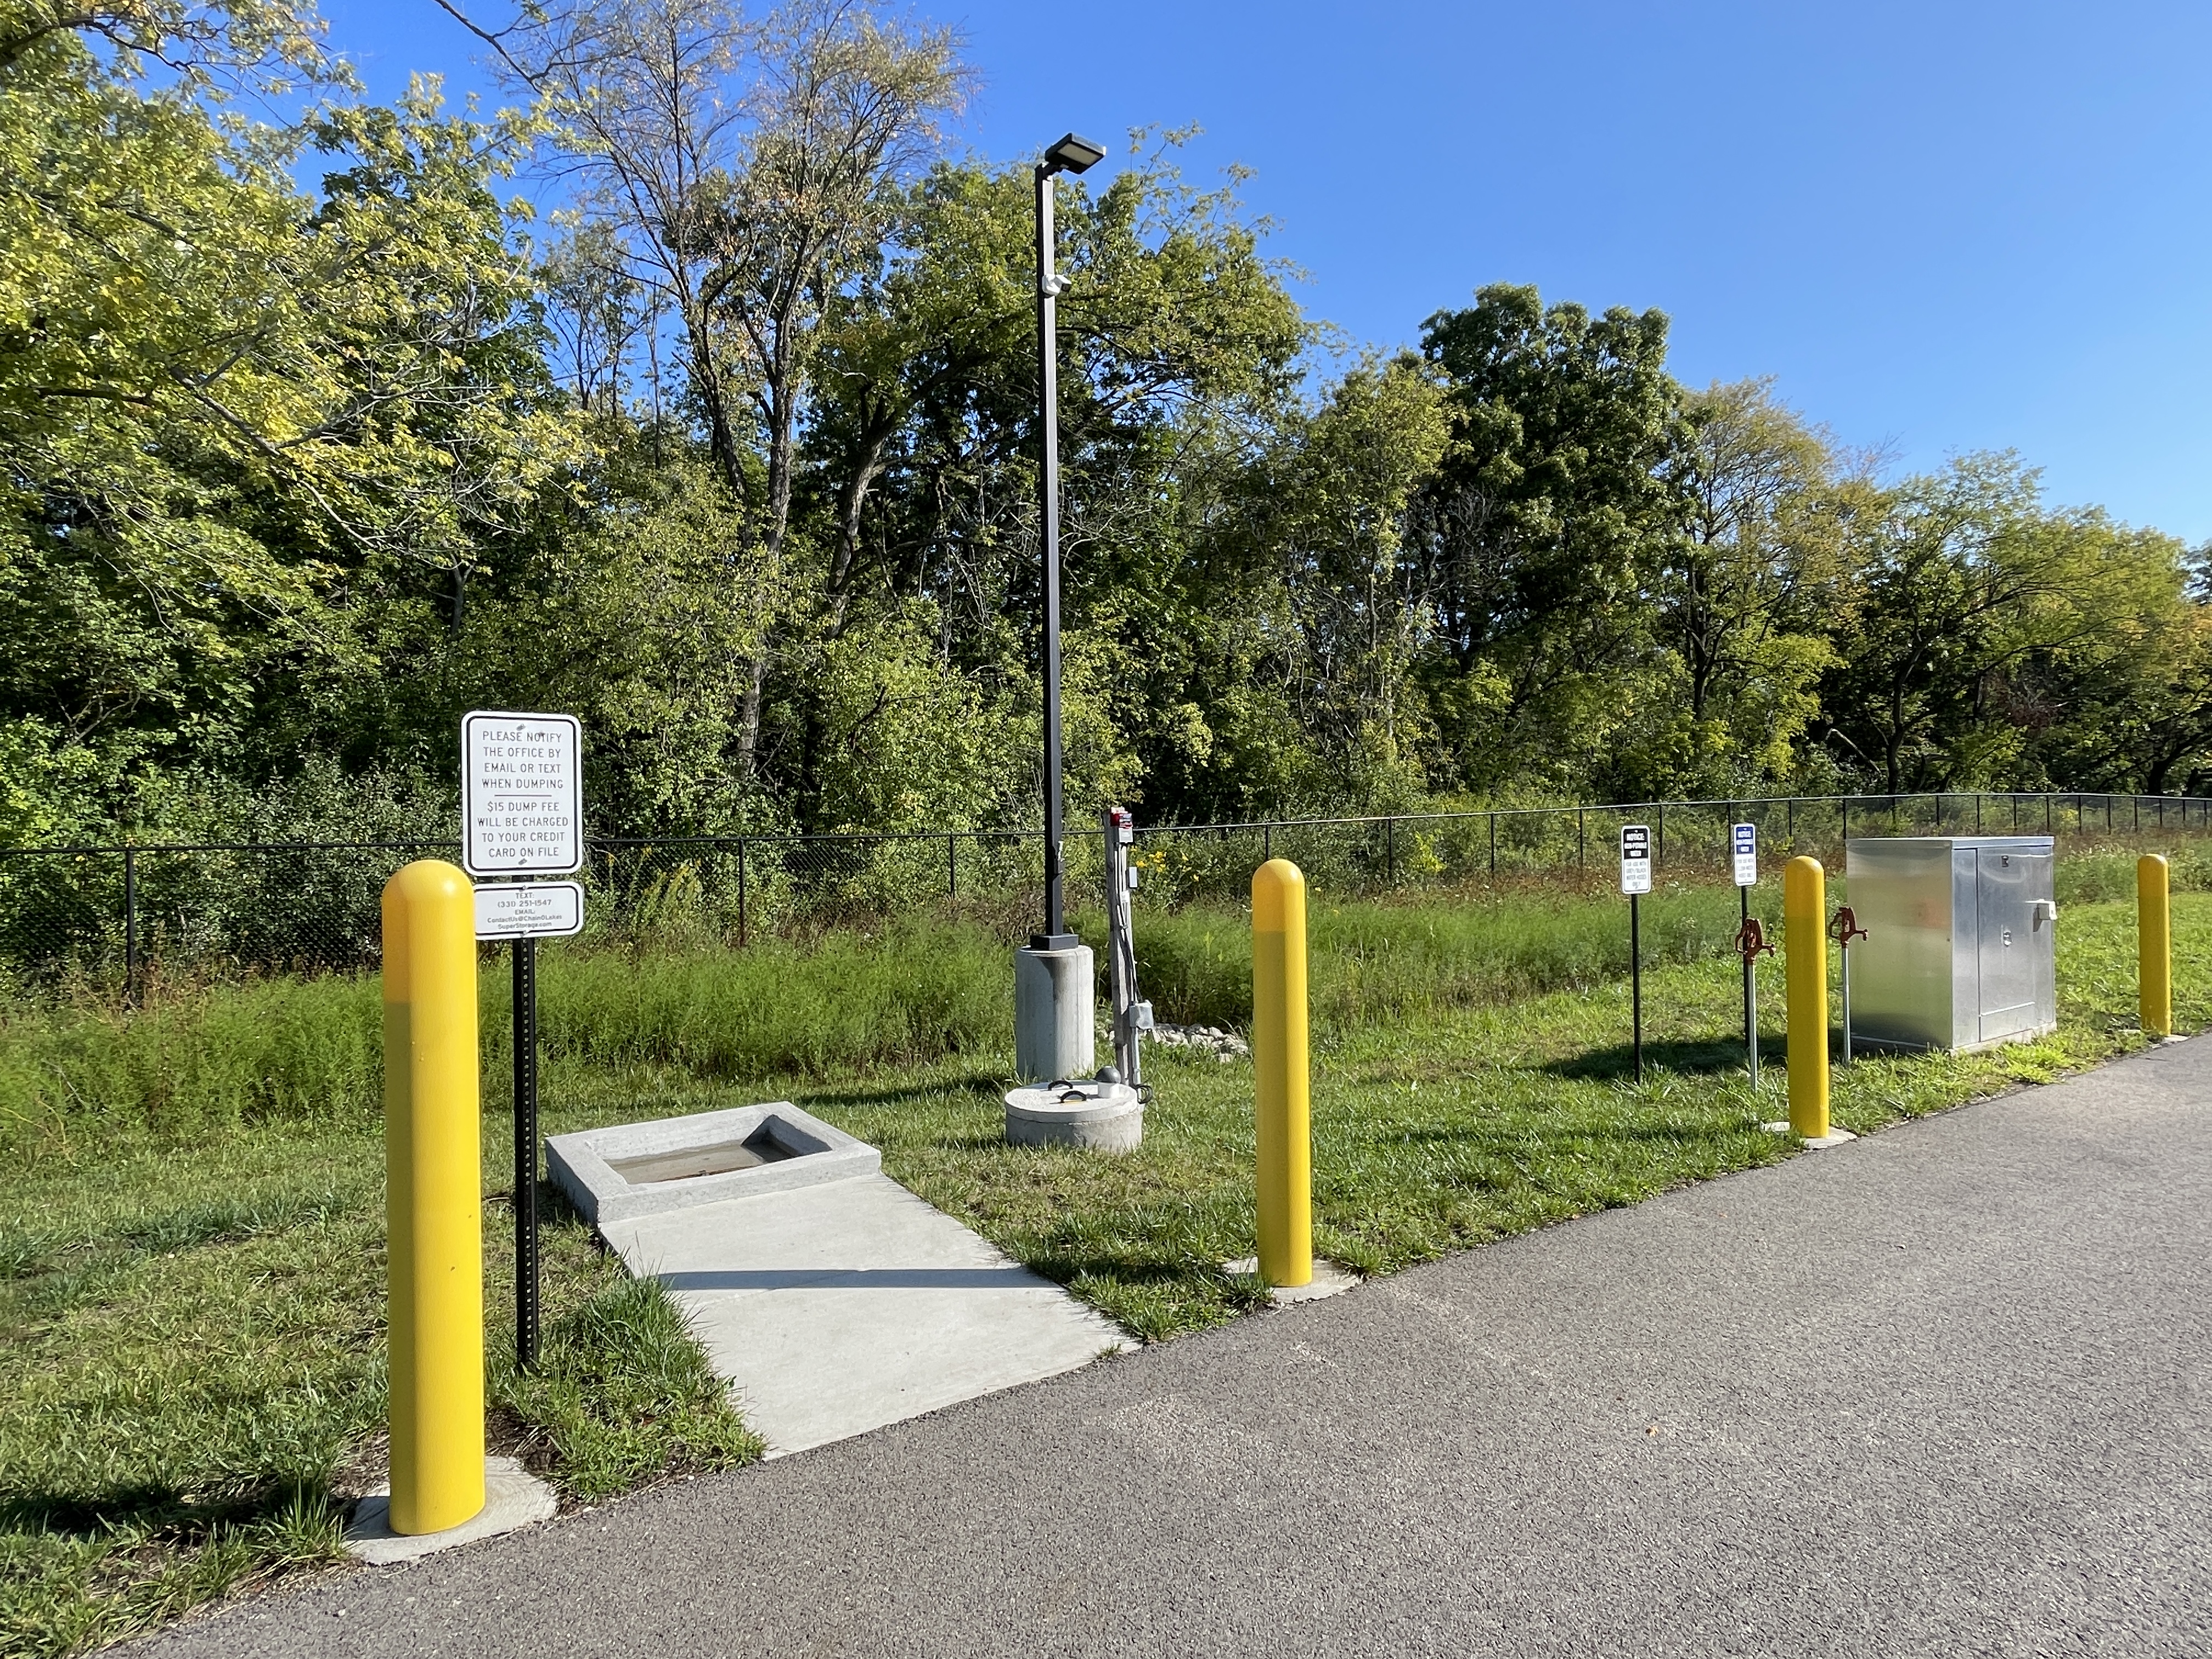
[(1942, 226)]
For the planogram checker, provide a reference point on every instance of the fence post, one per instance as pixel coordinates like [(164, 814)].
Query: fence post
[(952, 866), (1282, 1107), (1390, 851), (433, 1199), (1493, 843), (1580, 827), (130, 923), (741, 891), (2154, 947)]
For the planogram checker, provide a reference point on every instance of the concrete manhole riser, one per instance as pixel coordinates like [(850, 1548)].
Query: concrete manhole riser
[(1105, 1117), (643, 1168)]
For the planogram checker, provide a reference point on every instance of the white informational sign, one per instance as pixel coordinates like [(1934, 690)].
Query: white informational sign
[(1635, 858), (522, 794), (529, 909), (1743, 844)]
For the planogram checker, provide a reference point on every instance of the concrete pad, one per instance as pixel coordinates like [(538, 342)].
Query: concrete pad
[(839, 1307), (1328, 1279), (1820, 1144), (513, 1498)]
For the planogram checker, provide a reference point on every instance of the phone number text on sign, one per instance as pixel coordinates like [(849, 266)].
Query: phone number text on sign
[(522, 806)]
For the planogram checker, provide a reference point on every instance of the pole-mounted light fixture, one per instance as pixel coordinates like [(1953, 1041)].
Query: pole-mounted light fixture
[(1071, 155), (1074, 154)]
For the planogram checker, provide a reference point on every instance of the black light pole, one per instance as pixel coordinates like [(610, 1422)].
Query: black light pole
[(1070, 155)]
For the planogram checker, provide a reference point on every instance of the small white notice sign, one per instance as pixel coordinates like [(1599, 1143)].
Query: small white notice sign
[(1743, 846), (522, 794), (1635, 858), (529, 909)]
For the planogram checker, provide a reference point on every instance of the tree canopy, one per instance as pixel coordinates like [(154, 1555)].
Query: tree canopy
[(315, 435)]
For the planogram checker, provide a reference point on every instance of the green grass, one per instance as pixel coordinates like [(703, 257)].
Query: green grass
[(1383, 961), (191, 1382), (288, 1050), (1463, 1126)]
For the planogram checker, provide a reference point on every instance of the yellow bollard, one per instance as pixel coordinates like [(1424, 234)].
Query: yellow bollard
[(2154, 947), (433, 1198), (1279, 1062), (1805, 942)]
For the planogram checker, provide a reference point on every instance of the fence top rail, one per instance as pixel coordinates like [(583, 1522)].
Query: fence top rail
[(625, 842), (231, 846)]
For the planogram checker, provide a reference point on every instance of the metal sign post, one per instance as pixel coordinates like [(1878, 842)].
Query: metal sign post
[(524, 1001), (522, 814), (1635, 881), (1750, 938)]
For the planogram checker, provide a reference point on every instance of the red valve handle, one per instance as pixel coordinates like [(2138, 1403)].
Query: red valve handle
[(1845, 928), (1751, 940)]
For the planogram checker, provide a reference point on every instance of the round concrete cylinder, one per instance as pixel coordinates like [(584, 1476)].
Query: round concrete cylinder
[(1107, 1117), (1055, 1014)]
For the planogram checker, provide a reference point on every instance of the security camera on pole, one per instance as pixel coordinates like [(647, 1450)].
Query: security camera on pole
[(1055, 991)]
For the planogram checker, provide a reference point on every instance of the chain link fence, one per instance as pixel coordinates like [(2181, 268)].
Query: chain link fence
[(108, 917)]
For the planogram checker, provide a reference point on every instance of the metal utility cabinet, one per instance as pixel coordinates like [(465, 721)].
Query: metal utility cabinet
[(1957, 952)]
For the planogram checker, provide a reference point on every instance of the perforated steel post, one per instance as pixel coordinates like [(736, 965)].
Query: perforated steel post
[(525, 1153)]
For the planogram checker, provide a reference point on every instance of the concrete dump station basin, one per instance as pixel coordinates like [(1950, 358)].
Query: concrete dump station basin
[(834, 1299)]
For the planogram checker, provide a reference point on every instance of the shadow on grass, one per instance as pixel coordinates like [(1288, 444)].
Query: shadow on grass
[(1118, 1270), (1716, 1057), (158, 1510), (980, 1088)]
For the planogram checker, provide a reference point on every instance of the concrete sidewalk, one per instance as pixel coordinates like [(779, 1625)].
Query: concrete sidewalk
[(1940, 1391)]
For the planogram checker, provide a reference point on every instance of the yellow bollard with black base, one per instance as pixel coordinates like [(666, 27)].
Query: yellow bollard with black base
[(433, 1198), (2154, 947), (1282, 1080), (1805, 955)]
